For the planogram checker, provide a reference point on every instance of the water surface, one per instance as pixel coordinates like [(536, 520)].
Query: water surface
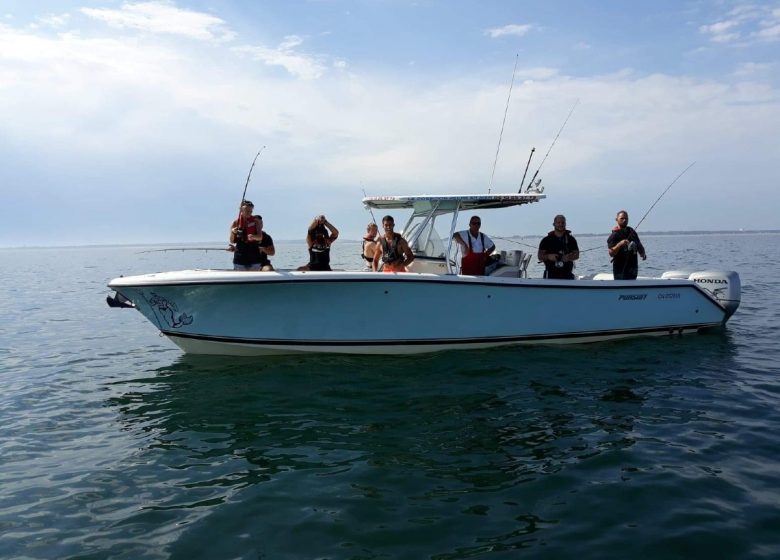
[(116, 445)]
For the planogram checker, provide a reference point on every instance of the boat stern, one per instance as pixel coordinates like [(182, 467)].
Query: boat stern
[(724, 286)]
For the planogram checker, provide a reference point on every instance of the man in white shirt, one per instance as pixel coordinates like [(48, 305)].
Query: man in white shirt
[(475, 246)]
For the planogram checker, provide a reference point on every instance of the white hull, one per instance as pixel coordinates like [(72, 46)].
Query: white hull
[(250, 314)]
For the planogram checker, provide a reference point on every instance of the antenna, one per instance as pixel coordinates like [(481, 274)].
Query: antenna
[(501, 134), (551, 146)]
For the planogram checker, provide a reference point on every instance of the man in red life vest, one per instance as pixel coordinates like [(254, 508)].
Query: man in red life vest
[(623, 246), (475, 246), (251, 246)]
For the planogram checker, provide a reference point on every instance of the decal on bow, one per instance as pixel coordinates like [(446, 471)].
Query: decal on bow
[(169, 311)]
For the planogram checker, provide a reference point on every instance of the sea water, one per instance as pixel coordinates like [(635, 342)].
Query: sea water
[(114, 444)]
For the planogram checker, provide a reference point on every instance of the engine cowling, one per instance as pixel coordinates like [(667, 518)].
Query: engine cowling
[(723, 286)]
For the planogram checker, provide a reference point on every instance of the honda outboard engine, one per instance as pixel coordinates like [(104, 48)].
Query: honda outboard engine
[(723, 285)]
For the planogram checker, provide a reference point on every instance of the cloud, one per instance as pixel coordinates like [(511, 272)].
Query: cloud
[(303, 66), (508, 30), (748, 69), (55, 21), (167, 127), (745, 24), (164, 18)]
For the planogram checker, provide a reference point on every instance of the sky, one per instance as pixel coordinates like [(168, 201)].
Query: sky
[(137, 121)]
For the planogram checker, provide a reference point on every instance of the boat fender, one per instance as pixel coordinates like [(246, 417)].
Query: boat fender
[(723, 286)]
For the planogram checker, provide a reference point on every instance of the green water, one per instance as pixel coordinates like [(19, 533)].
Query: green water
[(116, 445)]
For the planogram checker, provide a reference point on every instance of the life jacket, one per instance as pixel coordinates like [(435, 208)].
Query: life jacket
[(248, 252), (249, 226), (390, 251), (319, 252)]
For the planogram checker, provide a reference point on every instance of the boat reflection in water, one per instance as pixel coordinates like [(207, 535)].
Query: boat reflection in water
[(430, 308)]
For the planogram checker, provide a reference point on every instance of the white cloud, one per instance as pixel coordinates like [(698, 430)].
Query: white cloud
[(508, 30), (303, 66), (162, 17), (55, 21), (147, 108), (748, 69), (745, 24), (769, 33)]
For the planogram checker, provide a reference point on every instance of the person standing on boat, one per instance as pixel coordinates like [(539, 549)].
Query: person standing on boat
[(251, 246), (623, 246), (393, 250), (475, 246), (319, 238), (370, 244), (558, 251)]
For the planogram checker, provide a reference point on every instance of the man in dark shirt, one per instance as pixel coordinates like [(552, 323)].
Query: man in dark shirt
[(558, 251), (623, 246)]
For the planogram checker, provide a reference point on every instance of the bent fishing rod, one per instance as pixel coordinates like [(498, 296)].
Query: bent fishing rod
[(654, 203), (503, 122), (248, 177), (531, 182), (239, 221), (663, 193)]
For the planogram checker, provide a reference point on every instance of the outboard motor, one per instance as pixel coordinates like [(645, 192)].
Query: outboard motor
[(723, 285)]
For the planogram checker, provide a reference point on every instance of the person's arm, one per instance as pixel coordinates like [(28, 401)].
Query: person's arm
[(375, 262), (544, 254), (489, 250), (459, 240), (574, 254), (617, 247), (334, 233), (407, 251), (268, 248), (640, 249)]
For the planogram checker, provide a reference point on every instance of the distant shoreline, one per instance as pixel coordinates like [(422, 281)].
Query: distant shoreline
[(217, 245)]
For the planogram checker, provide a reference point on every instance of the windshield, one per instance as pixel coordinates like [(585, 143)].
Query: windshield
[(423, 238)]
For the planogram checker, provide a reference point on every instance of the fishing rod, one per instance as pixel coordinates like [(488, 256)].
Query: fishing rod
[(501, 134), (652, 206), (515, 241), (239, 221), (526, 169), (662, 194), (243, 195), (373, 219), (551, 147), (183, 249)]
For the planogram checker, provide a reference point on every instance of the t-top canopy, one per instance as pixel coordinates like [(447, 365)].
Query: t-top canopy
[(445, 203)]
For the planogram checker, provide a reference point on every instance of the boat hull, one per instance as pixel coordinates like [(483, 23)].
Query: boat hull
[(249, 314)]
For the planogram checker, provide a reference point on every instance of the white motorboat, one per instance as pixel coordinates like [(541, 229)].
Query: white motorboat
[(284, 312)]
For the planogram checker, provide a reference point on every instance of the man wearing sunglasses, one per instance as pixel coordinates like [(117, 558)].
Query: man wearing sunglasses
[(475, 246)]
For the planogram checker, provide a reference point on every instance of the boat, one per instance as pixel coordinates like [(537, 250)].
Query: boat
[(430, 308)]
